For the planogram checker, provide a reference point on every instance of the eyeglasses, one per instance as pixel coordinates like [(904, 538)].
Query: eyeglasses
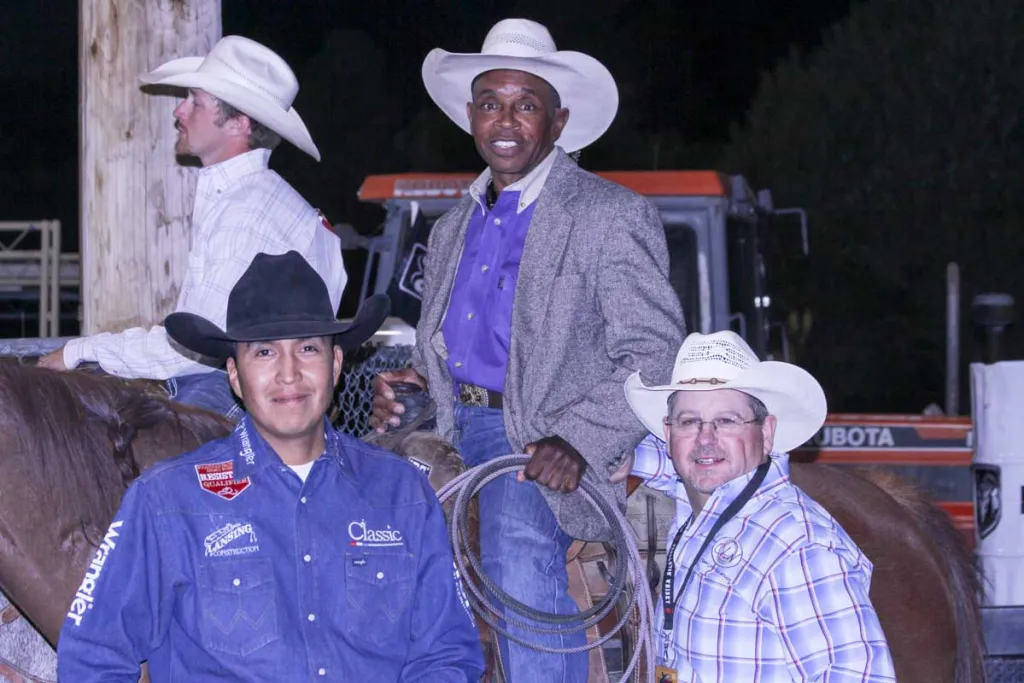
[(723, 426)]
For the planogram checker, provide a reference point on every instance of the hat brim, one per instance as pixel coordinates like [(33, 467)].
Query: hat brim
[(203, 337), (182, 73), (789, 392), (585, 86)]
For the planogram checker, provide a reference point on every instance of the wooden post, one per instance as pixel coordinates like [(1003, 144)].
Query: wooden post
[(136, 200)]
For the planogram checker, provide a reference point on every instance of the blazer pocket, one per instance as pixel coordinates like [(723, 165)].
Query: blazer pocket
[(552, 417)]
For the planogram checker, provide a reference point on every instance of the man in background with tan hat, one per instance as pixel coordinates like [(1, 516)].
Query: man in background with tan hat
[(761, 583), (238, 109), (533, 316)]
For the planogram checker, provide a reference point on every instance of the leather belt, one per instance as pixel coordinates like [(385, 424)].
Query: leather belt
[(472, 395)]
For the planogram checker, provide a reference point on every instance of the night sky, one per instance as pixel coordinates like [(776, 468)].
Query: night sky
[(692, 66)]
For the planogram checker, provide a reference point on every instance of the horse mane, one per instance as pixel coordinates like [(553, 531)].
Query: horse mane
[(74, 432), (957, 562)]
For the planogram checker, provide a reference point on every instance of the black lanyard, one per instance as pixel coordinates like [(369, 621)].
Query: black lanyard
[(668, 595)]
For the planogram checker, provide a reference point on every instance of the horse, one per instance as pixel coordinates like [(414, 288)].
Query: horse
[(924, 586), (71, 442)]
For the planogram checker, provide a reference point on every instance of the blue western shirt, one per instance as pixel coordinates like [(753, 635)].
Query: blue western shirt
[(223, 565)]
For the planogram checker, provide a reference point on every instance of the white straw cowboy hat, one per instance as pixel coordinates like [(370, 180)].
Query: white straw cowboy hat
[(251, 78), (724, 361), (584, 85)]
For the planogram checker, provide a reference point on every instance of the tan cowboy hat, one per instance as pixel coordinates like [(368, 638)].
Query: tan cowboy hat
[(723, 360), (584, 85), (251, 78)]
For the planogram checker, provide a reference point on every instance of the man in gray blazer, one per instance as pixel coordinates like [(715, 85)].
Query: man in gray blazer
[(545, 287)]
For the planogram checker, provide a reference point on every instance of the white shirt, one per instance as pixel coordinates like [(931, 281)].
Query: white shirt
[(303, 470), (242, 208)]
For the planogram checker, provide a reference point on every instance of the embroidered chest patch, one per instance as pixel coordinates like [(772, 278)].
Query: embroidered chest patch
[(219, 479), (727, 552)]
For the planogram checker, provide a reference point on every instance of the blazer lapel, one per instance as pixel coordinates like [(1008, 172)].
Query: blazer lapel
[(449, 250), (544, 250)]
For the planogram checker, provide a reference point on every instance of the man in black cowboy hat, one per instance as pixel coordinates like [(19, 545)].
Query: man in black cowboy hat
[(286, 551)]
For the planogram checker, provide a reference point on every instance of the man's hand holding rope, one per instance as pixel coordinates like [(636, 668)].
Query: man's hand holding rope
[(554, 463)]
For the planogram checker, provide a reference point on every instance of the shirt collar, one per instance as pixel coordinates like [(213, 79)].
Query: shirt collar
[(253, 453), (221, 176), (528, 187)]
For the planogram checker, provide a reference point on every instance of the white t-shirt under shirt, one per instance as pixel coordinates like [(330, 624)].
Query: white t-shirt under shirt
[(303, 470)]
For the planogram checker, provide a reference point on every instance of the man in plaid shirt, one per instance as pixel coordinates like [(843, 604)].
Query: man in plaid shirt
[(237, 111), (761, 584)]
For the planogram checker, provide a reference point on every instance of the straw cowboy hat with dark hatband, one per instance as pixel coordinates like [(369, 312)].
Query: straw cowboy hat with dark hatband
[(278, 297), (722, 360), (584, 85), (251, 78)]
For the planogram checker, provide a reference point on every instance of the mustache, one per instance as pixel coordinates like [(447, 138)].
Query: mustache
[(177, 124), (704, 451)]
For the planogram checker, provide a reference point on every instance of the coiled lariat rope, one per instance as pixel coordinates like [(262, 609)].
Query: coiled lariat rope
[(629, 570)]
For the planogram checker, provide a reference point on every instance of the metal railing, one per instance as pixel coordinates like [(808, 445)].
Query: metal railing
[(23, 265)]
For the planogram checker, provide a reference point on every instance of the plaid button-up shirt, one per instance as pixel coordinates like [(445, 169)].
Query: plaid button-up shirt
[(242, 208), (780, 594)]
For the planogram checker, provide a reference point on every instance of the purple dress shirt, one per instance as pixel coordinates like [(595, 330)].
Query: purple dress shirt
[(478, 324)]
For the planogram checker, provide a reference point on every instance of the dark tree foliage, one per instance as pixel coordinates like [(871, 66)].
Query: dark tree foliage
[(902, 137)]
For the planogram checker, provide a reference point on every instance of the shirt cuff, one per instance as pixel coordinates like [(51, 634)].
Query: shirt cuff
[(651, 458), (78, 351)]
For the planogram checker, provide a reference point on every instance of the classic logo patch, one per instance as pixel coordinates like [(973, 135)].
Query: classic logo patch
[(217, 543), (987, 505), (83, 600), (219, 479), (362, 535)]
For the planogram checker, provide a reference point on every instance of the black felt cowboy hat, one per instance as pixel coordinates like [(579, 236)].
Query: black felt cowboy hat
[(278, 297)]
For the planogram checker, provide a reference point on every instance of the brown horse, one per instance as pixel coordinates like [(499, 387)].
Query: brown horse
[(70, 443), (924, 585)]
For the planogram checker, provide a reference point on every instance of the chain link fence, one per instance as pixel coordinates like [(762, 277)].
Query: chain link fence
[(355, 396)]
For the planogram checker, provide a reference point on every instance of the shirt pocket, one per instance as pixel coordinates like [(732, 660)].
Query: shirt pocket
[(378, 590), (238, 606)]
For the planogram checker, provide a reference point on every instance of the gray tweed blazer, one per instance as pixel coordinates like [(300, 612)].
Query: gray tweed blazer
[(592, 305)]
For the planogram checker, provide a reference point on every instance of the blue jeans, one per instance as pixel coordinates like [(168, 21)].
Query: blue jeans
[(523, 551), (209, 390)]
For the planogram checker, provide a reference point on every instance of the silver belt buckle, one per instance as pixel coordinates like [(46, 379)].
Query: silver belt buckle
[(472, 395)]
